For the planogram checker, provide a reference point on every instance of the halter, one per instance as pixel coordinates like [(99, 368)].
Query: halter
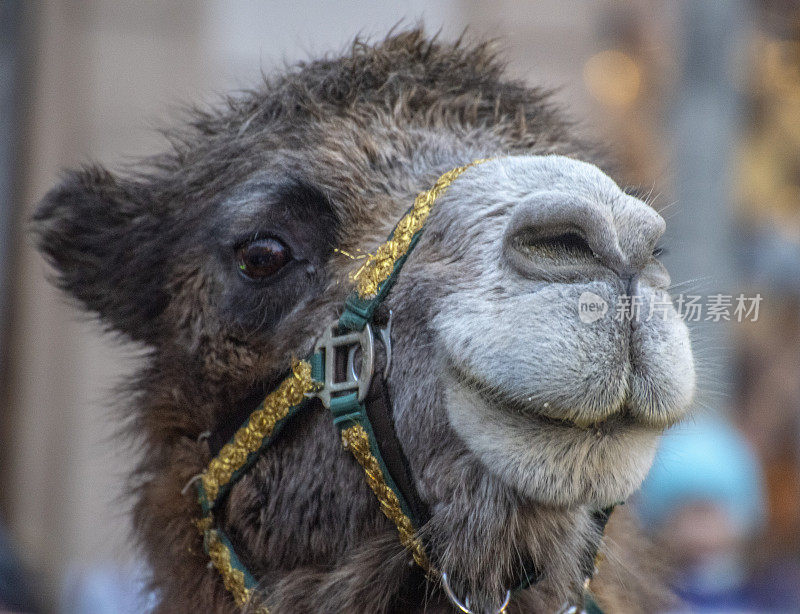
[(361, 409)]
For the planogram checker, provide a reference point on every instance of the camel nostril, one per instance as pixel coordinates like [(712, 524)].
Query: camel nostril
[(566, 243), (559, 231)]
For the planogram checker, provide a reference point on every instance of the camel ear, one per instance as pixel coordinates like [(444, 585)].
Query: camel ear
[(102, 236)]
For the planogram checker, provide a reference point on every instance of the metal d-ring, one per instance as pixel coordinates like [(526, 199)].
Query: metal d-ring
[(385, 333), (351, 363), (568, 608), (386, 336), (464, 607)]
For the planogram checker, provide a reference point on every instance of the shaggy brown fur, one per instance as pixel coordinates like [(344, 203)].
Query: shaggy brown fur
[(327, 155)]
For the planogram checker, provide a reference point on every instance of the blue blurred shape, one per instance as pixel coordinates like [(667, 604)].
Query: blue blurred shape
[(107, 590), (704, 460)]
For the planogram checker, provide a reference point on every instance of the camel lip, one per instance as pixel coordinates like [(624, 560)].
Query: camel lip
[(494, 396), (608, 425)]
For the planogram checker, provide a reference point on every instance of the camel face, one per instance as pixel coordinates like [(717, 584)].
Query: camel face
[(535, 360)]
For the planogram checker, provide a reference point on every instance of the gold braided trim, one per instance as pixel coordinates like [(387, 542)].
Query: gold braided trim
[(204, 524), (355, 439), (248, 438), (232, 578), (379, 266)]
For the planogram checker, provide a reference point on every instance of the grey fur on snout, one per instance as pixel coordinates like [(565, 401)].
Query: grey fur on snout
[(519, 355)]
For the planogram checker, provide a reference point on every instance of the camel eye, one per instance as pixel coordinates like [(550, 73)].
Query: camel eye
[(262, 258)]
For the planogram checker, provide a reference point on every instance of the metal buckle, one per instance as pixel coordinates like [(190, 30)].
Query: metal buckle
[(332, 342), (465, 606)]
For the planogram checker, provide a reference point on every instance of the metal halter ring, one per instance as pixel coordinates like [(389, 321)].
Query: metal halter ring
[(333, 341), (464, 607)]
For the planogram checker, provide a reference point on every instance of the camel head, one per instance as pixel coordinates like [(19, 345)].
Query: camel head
[(536, 357)]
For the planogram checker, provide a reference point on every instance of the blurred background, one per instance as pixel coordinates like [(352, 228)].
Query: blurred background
[(700, 101)]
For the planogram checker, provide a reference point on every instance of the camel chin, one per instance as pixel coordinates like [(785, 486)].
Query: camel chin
[(553, 462)]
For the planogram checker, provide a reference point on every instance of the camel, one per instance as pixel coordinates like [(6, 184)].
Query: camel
[(517, 392)]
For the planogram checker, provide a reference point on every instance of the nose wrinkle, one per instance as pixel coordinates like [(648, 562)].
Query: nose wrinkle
[(631, 284), (630, 279)]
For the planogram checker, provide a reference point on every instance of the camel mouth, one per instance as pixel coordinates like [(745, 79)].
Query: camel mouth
[(607, 426), (552, 460), (613, 421)]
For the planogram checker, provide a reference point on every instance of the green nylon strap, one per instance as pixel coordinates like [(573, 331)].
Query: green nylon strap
[(358, 311), (590, 605), (348, 411), (236, 563), (317, 362), (209, 505)]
